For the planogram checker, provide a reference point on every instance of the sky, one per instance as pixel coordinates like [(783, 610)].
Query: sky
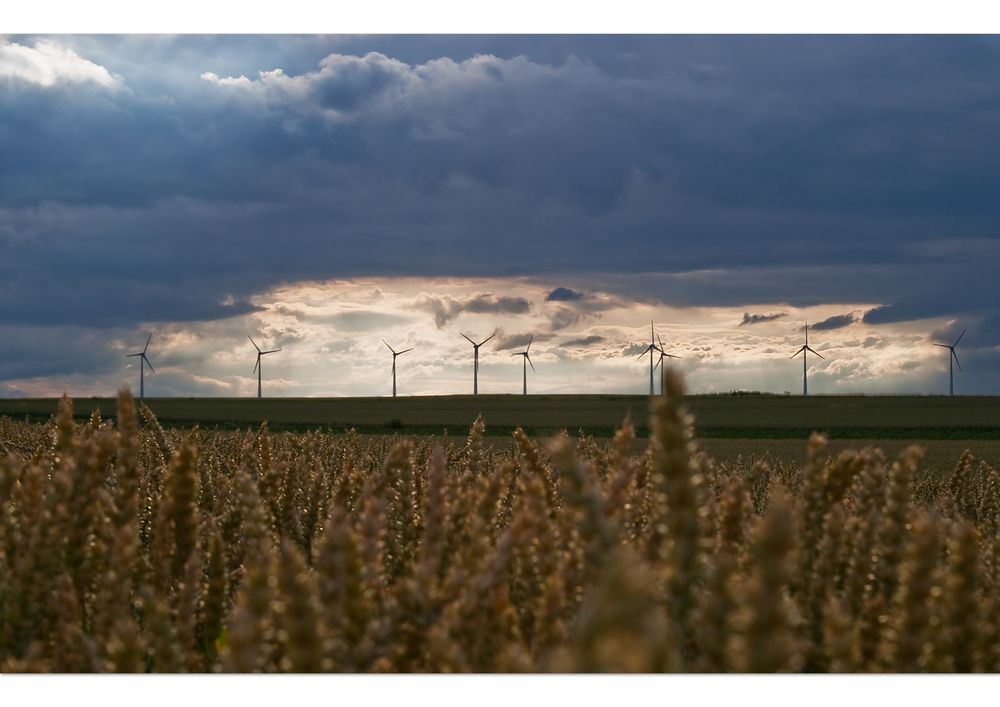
[(323, 193)]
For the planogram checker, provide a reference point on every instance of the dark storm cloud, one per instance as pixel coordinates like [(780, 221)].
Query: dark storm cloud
[(888, 314), (585, 341), (690, 170), (835, 322), (564, 294), (750, 319), (505, 342), (562, 318), (446, 308)]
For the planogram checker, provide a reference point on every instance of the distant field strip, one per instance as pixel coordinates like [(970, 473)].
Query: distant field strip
[(720, 417)]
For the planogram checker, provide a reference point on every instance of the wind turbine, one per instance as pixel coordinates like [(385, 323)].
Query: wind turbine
[(394, 355), (952, 357), (257, 367), (526, 362), (805, 348), (650, 349), (475, 370), (663, 372), (143, 360)]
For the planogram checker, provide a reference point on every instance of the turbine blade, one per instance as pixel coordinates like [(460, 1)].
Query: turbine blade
[(253, 342), (644, 352), (255, 365), (530, 339), (798, 352), (152, 370), (387, 344), (150, 338), (671, 356), (468, 339), (943, 346), (271, 351), (658, 362), (659, 341), (135, 354), (529, 361), (820, 355), (956, 359), (959, 337), (488, 338), (400, 353)]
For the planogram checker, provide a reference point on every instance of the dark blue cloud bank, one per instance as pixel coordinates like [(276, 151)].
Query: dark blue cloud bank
[(169, 179)]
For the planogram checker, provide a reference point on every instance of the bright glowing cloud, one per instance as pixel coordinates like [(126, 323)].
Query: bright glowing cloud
[(48, 64)]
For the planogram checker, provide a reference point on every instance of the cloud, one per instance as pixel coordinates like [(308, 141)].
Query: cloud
[(750, 319), (564, 294), (365, 320), (586, 163), (585, 340), (446, 308), (504, 342), (563, 318), (342, 85), (836, 322), (48, 64), (882, 315)]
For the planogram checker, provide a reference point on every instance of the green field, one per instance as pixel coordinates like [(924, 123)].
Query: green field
[(757, 417)]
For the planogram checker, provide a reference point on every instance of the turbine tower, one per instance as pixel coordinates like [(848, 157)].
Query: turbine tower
[(394, 355), (952, 358), (475, 370), (805, 348), (143, 360), (257, 367), (526, 362), (663, 370), (650, 349)]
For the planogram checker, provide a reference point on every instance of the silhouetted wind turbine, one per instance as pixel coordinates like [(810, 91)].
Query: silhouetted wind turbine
[(394, 355), (650, 349), (257, 368), (803, 350), (526, 362), (952, 357), (663, 373), (143, 360), (475, 370)]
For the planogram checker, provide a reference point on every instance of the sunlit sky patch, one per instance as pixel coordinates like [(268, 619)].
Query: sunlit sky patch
[(331, 335)]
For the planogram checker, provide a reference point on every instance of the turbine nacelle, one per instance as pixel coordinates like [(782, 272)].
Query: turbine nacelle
[(394, 352), (257, 367), (394, 355), (952, 356), (143, 362), (142, 354), (805, 351), (524, 353), (952, 347), (260, 353), (475, 367), (663, 354), (807, 347), (474, 344)]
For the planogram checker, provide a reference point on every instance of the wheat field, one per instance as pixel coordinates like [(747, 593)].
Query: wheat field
[(130, 548)]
